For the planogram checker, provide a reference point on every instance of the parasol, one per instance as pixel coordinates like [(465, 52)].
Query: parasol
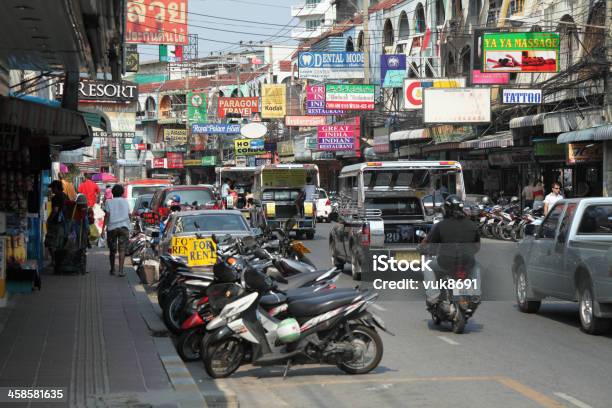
[(104, 177)]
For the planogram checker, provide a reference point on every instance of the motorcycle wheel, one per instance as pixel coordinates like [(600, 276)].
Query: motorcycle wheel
[(163, 288), (223, 358), (362, 339), (459, 322), (173, 313), (435, 319), (189, 342)]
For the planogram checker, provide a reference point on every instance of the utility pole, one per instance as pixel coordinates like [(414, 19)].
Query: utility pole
[(366, 42), (188, 148), (607, 144)]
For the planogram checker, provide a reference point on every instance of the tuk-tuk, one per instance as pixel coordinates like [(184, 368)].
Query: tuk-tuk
[(243, 185), (276, 197)]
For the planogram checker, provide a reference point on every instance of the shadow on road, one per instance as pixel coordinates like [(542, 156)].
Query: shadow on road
[(446, 327), (302, 371)]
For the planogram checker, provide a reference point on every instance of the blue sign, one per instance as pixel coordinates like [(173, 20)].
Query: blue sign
[(215, 128), (392, 70), (330, 65)]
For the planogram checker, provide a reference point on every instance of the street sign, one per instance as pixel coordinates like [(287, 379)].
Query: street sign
[(196, 107)]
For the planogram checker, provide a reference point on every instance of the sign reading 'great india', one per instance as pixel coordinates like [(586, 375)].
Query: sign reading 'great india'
[(336, 137)]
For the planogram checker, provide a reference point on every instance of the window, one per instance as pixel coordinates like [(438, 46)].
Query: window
[(387, 35), (312, 25), (440, 12), (567, 219), (549, 226), (394, 205), (280, 195), (419, 19), (475, 6), (191, 197), (404, 27), (321, 193), (312, 3), (211, 223), (597, 219)]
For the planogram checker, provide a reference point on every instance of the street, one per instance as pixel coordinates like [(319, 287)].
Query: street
[(504, 358)]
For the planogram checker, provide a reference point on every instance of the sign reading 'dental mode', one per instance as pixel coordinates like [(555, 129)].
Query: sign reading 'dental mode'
[(216, 128), (156, 22), (315, 102), (350, 97), (243, 106), (520, 52), (336, 137), (413, 89), (522, 96), (392, 70), (273, 101), (330, 65), (248, 147), (461, 105)]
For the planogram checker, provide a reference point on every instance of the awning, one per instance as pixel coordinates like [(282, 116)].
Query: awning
[(598, 133), (501, 139), (412, 134), (527, 121), (560, 122), (441, 147), (97, 119)]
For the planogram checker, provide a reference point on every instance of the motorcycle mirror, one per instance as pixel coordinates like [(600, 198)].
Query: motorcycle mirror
[(257, 231)]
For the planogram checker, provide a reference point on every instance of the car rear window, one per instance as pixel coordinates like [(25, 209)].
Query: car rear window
[(394, 205), (597, 219), (211, 223), (280, 195), (193, 197), (137, 191)]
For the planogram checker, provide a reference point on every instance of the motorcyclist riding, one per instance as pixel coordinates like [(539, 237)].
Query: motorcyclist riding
[(455, 240)]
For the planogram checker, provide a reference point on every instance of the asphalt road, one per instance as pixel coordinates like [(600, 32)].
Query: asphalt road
[(504, 358)]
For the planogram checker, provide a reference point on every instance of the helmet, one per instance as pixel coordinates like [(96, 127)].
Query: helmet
[(81, 199), (176, 199), (485, 200), (514, 200), (453, 205)]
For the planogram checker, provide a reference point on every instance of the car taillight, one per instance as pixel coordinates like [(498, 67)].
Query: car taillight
[(365, 235), (461, 274), (328, 202)]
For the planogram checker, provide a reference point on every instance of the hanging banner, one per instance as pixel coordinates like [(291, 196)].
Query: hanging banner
[(522, 96), (273, 101), (249, 147), (315, 102), (336, 137), (175, 136), (350, 97), (196, 107), (520, 52), (392, 70), (245, 107), (215, 128), (413, 89), (156, 22), (330, 65), (305, 121), (467, 105)]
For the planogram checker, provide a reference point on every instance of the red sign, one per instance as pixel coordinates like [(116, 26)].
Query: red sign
[(156, 22), (305, 121), (140, 146), (159, 163), (336, 137), (490, 78), (175, 160), (242, 106)]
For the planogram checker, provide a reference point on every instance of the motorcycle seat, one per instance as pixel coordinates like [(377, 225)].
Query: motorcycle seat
[(298, 281), (197, 276), (272, 299), (293, 267), (313, 306)]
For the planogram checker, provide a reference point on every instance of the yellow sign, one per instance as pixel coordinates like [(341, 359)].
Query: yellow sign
[(175, 136), (199, 251), (308, 209), (270, 210), (249, 147), (284, 178), (273, 101)]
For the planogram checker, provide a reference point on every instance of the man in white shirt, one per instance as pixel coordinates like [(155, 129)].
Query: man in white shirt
[(308, 193), (225, 188), (117, 223), (553, 197)]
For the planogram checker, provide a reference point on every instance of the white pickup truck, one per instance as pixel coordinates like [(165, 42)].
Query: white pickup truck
[(569, 256)]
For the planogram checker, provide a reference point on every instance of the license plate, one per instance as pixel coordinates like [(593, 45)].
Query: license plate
[(491, 221), (199, 251), (483, 219), (299, 248), (466, 292), (407, 256), (511, 223)]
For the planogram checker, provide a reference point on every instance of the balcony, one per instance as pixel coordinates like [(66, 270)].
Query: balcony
[(493, 17), (517, 7), (172, 116), (307, 9)]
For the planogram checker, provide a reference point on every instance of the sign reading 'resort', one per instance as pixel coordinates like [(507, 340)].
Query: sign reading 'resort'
[(336, 137), (242, 106), (90, 90)]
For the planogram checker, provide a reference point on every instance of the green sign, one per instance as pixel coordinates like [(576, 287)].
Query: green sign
[(209, 161), (127, 146), (196, 107), (520, 52), (311, 143)]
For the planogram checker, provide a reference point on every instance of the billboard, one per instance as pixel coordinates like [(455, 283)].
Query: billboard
[(520, 52), (215, 128), (336, 137), (196, 107), (273, 101), (522, 96), (156, 22), (249, 147), (305, 121), (330, 65), (175, 136), (315, 102), (392, 70), (460, 105), (242, 106), (350, 97), (490, 78), (413, 89)]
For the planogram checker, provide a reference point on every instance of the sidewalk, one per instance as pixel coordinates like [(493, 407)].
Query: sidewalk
[(87, 333)]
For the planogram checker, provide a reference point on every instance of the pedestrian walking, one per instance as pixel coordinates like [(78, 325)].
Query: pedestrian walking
[(553, 197), (56, 233), (117, 224), (68, 187), (90, 189), (527, 194), (538, 194), (108, 193)]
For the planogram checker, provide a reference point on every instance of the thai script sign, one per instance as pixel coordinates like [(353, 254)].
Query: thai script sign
[(242, 106), (336, 137), (156, 22), (349, 97), (330, 65), (520, 52)]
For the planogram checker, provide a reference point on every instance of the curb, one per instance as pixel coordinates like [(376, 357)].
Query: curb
[(190, 394)]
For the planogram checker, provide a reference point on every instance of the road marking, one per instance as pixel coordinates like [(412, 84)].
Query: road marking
[(529, 392), (449, 341), (572, 400), (378, 307)]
